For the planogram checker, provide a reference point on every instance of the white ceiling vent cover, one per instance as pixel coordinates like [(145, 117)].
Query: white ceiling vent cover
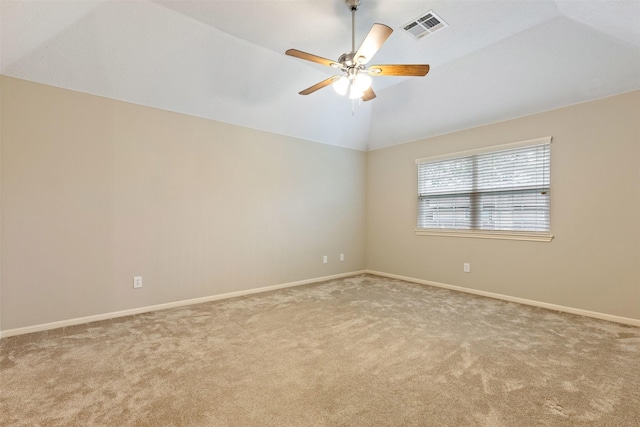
[(424, 25)]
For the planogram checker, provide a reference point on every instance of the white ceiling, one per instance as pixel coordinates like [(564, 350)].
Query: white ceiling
[(225, 60)]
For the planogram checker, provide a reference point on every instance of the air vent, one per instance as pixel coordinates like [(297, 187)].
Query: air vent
[(424, 25)]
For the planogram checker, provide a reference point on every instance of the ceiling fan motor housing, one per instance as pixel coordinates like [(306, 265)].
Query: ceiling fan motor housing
[(346, 59)]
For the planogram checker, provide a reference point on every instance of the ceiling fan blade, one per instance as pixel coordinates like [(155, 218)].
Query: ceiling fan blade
[(369, 94), (320, 85), (399, 70), (376, 37), (313, 58)]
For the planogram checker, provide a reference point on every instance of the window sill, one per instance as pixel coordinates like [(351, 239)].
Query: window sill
[(502, 235)]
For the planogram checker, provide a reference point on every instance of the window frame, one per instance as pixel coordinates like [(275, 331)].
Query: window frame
[(534, 236)]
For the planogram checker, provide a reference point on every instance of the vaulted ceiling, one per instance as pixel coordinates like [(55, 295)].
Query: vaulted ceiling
[(225, 60)]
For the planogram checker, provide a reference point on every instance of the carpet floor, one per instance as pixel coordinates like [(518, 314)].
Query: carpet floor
[(359, 351)]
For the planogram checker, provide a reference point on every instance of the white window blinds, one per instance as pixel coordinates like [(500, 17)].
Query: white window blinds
[(501, 190)]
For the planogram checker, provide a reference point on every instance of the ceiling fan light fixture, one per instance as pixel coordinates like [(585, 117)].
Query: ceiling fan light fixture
[(354, 86), (362, 82), (341, 85)]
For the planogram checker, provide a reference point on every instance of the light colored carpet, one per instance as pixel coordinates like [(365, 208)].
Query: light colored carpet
[(360, 351)]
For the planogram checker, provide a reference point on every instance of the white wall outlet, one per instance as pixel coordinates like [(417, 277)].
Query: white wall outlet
[(466, 267), (137, 282), (324, 259), (341, 257)]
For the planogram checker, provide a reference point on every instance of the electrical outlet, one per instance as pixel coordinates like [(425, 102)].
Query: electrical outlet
[(466, 267), (341, 257), (137, 282), (324, 259)]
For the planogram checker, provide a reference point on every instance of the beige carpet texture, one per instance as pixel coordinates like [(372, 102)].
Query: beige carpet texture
[(358, 351)]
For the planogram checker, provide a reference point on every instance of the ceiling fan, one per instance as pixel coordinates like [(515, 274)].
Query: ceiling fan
[(356, 80)]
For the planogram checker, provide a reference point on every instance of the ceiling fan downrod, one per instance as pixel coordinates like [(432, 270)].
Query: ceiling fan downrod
[(353, 7), (357, 85)]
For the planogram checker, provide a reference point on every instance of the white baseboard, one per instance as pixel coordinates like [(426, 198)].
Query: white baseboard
[(578, 311), (139, 310)]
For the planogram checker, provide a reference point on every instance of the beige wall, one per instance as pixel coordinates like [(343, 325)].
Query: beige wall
[(96, 191), (594, 261)]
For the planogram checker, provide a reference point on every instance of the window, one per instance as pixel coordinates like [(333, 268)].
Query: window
[(499, 192)]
